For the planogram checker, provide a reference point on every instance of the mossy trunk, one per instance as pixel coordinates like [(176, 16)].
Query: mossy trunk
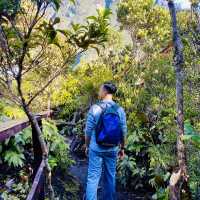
[(179, 189)]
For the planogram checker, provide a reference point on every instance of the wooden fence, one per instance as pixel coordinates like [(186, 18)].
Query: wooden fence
[(12, 128)]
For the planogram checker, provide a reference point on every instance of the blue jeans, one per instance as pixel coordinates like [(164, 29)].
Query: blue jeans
[(97, 161)]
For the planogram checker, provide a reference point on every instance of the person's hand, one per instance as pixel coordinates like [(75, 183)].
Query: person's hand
[(121, 154), (86, 151)]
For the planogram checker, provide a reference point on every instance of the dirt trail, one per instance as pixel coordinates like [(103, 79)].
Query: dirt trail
[(77, 174)]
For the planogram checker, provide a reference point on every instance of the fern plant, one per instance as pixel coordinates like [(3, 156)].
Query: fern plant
[(125, 168), (12, 150), (13, 158), (58, 149), (21, 189)]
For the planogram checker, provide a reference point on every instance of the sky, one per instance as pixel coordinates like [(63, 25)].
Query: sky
[(181, 4)]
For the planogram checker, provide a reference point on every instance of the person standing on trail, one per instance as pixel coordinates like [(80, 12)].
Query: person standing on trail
[(105, 140)]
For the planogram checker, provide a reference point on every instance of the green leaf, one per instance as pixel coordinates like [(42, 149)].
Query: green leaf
[(75, 27), (56, 3), (19, 139), (189, 129), (14, 159), (93, 18), (73, 1), (27, 135), (104, 13), (195, 139), (187, 137), (9, 7), (51, 33), (56, 21), (96, 48), (65, 32), (1, 148), (53, 162)]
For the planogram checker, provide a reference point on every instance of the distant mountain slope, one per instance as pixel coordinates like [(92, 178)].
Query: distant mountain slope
[(77, 13)]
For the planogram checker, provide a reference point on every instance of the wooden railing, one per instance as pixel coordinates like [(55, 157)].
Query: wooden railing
[(12, 128)]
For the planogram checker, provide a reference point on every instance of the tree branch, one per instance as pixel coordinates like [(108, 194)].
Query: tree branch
[(27, 37), (56, 74)]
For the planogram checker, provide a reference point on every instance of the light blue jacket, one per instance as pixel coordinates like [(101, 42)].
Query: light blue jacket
[(92, 120)]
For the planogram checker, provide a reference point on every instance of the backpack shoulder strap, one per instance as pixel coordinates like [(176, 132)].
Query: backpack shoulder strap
[(103, 106), (115, 106)]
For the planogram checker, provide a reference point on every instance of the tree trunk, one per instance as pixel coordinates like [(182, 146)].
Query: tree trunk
[(179, 180), (35, 125)]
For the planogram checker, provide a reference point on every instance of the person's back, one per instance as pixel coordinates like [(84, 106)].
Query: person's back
[(101, 155)]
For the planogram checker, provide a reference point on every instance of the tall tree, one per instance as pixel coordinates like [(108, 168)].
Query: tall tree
[(178, 180)]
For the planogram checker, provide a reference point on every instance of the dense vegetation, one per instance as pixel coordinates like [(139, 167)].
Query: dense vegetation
[(143, 71)]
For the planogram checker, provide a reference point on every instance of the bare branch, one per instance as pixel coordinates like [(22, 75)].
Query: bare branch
[(6, 49), (26, 40), (24, 22), (35, 61), (9, 94), (4, 42), (55, 75), (19, 34)]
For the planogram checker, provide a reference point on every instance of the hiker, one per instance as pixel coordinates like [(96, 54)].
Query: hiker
[(105, 139)]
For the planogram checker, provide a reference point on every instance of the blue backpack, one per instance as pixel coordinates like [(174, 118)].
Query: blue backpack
[(108, 130)]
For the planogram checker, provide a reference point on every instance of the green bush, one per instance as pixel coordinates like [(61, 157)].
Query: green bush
[(58, 148), (13, 149)]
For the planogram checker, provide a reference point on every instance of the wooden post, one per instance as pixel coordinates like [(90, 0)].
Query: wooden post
[(38, 156)]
